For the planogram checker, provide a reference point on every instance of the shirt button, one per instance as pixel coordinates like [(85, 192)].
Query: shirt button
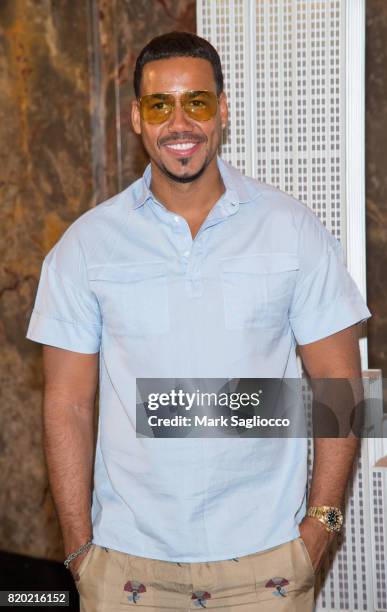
[(176, 218), (186, 253)]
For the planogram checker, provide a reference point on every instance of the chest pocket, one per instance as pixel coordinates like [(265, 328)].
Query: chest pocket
[(257, 289), (133, 297)]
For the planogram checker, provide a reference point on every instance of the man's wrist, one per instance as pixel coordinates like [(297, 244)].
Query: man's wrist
[(73, 540), (316, 523), (76, 553)]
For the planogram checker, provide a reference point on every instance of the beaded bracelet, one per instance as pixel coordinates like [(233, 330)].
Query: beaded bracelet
[(77, 553)]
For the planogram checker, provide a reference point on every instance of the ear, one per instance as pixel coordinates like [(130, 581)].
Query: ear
[(135, 116), (223, 107)]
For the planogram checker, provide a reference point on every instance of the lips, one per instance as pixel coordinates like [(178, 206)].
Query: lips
[(182, 149)]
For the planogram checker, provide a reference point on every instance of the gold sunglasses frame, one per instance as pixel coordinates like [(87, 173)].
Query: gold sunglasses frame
[(188, 91)]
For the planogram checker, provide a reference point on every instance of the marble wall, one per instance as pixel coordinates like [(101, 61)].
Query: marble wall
[(45, 183), (65, 83), (376, 180)]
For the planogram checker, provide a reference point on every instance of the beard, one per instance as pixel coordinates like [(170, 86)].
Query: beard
[(185, 178)]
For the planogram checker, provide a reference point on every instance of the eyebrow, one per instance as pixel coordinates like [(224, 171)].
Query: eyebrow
[(198, 92), (164, 95), (161, 96)]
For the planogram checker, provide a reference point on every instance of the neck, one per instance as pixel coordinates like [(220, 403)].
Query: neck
[(188, 198)]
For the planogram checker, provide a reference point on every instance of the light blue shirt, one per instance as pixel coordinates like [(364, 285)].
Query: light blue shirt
[(127, 280)]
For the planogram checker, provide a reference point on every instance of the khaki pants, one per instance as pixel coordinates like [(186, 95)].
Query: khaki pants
[(278, 579)]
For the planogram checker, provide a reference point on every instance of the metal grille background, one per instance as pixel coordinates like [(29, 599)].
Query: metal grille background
[(294, 81)]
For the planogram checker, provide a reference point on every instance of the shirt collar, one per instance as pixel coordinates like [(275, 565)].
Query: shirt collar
[(238, 191)]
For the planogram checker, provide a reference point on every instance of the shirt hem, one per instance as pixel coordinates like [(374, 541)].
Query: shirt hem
[(224, 557)]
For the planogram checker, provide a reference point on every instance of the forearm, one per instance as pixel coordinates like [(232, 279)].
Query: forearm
[(334, 457), (332, 467), (68, 437), (334, 367)]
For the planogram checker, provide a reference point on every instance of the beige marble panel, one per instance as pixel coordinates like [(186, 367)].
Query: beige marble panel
[(45, 183), (376, 180)]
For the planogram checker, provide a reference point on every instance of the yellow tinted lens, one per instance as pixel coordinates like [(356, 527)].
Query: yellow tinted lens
[(200, 105), (156, 108)]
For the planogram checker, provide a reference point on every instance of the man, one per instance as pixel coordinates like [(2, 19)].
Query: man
[(194, 271)]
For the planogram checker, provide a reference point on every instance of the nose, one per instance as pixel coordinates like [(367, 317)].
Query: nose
[(179, 121)]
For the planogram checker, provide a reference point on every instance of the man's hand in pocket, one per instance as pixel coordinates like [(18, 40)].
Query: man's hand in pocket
[(75, 564), (317, 540)]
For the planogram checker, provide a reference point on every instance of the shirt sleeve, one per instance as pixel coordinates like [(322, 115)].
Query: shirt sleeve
[(66, 312), (326, 299)]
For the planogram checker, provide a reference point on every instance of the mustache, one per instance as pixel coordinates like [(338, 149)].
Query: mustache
[(184, 136)]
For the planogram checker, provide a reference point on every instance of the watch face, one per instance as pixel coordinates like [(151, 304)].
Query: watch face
[(334, 519)]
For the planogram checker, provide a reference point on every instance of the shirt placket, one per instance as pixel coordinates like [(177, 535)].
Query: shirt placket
[(192, 250)]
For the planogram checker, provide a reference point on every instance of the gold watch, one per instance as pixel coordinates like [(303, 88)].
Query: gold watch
[(331, 517)]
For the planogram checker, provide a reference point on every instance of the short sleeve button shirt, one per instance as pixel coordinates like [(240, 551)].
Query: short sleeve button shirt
[(127, 280)]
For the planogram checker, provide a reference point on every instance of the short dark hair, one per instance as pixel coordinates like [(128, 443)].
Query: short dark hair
[(178, 44)]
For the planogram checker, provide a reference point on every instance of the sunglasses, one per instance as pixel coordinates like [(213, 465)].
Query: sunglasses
[(158, 107)]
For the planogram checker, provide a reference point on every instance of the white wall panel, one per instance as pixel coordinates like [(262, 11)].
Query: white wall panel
[(294, 77)]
